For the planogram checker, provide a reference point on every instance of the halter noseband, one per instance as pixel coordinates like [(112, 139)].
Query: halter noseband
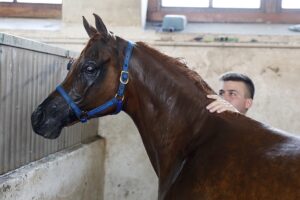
[(117, 101)]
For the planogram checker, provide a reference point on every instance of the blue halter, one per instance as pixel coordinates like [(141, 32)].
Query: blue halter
[(117, 101)]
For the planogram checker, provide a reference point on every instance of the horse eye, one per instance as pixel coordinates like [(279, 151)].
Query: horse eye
[(91, 68)]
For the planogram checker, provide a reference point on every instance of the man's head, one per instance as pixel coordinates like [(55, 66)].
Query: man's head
[(237, 89)]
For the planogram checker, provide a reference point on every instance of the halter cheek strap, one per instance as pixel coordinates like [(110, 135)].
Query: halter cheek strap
[(117, 101)]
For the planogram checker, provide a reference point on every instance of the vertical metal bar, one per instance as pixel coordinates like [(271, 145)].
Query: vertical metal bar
[(210, 3), (2, 110), (26, 78), (271, 6), (279, 6)]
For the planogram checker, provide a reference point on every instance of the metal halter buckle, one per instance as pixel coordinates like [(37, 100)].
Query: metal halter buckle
[(121, 77), (83, 117), (119, 97)]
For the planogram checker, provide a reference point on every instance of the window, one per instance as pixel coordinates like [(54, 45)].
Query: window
[(186, 3), (290, 4), (34, 1), (214, 3), (235, 4), (31, 8), (41, 1), (246, 11)]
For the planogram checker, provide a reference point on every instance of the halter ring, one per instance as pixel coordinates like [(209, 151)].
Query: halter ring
[(126, 80)]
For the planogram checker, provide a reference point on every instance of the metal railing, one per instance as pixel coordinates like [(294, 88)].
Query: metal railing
[(29, 71)]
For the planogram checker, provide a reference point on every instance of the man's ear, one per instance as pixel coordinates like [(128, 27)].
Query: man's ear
[(91, 31), (248, 103)]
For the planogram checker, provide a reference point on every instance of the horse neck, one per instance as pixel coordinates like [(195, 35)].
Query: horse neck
[(162, 102)]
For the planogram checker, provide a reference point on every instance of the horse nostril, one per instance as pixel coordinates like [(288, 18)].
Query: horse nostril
[(37, 117), (54, 106)]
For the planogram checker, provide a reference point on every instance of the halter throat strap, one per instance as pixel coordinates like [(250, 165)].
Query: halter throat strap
[(117, 101)]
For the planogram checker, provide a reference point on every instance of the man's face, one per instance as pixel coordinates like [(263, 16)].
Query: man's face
[(236, 93)]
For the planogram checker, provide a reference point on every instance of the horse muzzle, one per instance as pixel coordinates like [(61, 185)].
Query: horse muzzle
[(48, 127)]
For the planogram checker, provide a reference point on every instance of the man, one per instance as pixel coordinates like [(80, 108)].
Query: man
[(236, 94)]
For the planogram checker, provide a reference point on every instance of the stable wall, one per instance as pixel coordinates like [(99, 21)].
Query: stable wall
[(72, 174), (29, 72), (274, 70)]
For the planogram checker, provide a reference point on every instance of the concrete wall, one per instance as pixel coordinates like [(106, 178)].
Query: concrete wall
[(114, 12), (128, 172), (274, 70), (72, 174)]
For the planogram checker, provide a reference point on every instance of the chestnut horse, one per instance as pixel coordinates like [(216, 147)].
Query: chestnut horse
[(195, 154)]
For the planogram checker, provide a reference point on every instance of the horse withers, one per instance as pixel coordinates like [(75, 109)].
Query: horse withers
[(195, 154)]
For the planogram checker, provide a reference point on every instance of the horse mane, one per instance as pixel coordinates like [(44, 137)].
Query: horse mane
[(171, 61)]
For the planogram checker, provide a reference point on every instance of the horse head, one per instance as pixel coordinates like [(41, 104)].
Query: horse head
[(90, 88)]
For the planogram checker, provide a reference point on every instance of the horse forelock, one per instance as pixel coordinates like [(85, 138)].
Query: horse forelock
[(94, 39), (91, 41), (178, 64)]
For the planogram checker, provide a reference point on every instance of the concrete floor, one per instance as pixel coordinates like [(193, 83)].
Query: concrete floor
[(30, 24)]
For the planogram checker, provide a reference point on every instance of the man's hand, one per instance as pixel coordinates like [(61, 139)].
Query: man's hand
[(219, 105)]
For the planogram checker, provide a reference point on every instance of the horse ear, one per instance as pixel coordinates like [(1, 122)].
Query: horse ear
[(100, 25), (91, 31)]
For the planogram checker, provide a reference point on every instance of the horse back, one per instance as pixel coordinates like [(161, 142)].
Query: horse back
[(243, 160)]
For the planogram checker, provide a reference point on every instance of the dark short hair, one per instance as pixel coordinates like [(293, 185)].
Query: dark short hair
[(232, 76)]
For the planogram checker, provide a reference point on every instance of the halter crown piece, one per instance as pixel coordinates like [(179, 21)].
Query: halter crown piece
[(117, 101)]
